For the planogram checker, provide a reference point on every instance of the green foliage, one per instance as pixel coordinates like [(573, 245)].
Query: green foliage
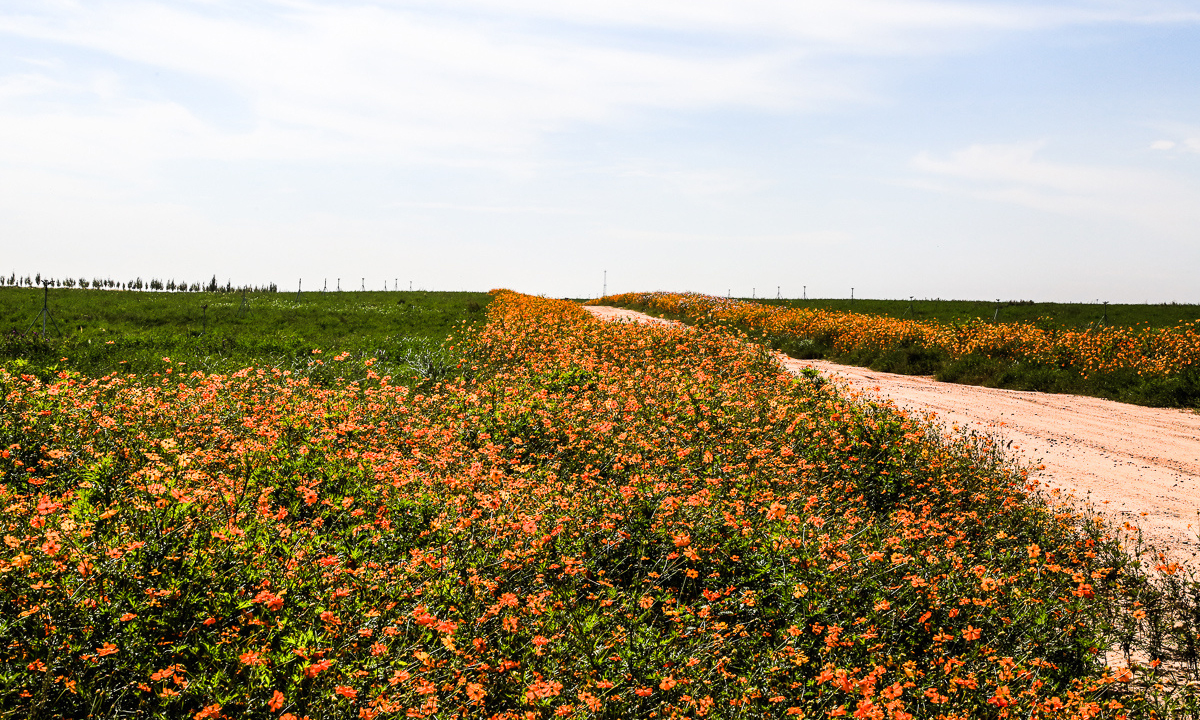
[(1061, 315), (98, 332)]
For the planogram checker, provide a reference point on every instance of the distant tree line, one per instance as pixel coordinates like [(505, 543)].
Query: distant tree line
[(136, 284)]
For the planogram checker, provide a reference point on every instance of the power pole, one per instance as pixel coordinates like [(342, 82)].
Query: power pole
[(604, 292), (298, 286)]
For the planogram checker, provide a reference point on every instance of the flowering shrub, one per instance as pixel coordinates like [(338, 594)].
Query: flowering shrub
[(591, 521), (1151, 352)]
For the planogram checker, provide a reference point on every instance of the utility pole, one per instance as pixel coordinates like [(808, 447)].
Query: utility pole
[(776, 292), (805, 292), (851, 293), (364, 285), (604, 292), (298, 286)]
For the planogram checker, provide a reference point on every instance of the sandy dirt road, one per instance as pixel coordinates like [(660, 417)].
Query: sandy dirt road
[(1133, 464)]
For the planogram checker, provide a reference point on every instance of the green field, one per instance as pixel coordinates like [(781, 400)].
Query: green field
[(1066, 315), (98, 332)]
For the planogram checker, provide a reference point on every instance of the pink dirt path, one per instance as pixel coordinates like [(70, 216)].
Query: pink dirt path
[(1133, 464)]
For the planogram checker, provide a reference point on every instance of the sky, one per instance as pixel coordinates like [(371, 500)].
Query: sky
[(891, 148)]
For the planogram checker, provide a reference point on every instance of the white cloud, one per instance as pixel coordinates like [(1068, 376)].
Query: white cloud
[(1014, 173), (487, 209), (418, 80), (1186, 144), (338, 80)]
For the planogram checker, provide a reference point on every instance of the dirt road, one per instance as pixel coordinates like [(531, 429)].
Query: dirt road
[(1134, 464)]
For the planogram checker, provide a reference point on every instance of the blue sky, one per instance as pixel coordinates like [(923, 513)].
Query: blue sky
[(1015, 150)]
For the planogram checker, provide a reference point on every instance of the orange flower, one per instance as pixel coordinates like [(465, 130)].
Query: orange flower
[(211, 711)]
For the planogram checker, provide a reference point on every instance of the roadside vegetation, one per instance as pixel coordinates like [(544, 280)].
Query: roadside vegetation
[(1147, 364), (1062, 315), (584, 520), (97, 332)]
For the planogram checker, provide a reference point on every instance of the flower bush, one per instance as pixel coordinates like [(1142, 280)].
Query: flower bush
[(1151, 352), (588, 520)]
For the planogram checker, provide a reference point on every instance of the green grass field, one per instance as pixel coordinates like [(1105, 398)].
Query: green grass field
[(1067, 315), (98, 332)]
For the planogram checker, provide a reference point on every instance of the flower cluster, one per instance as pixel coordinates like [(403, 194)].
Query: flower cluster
[(1150, 352), (590, 520)]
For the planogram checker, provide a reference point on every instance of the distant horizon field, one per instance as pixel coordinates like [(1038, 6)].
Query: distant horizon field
[(102, 331), (1073, 315)]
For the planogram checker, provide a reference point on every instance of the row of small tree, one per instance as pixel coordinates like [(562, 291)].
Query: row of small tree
[(153, 284)]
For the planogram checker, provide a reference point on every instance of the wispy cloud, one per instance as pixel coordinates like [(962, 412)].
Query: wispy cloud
[(487, 209), (415, 80), (1015, 173), (1182, 138)]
